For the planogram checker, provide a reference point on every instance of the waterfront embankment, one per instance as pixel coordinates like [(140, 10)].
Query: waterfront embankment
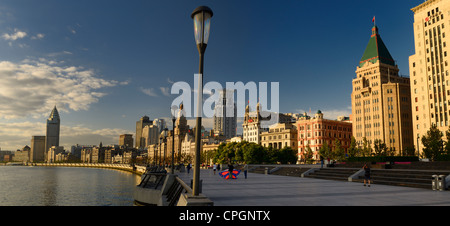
[(139, 170)]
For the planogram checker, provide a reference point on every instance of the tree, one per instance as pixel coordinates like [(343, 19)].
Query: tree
[(367, 150), (352, 150), (379, 148), (287, 156), (447, 143), (339, 152), (433, 145), (325, 151), (308, 155)]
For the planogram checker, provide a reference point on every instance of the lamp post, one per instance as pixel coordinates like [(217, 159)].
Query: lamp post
[(202, 23), (165, 146), (174, 110), (418, 150), (160, 145)]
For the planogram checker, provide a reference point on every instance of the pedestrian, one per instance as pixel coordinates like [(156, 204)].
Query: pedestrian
[(245, 169), (321, 161), (214, 168), (230, 168), (366, 175), (188, 167)]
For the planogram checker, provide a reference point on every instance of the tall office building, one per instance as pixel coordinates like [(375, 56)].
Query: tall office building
[(225, 124), (126, 140), (140, 141), (53, 128), (37, 149), (381, 103), (429, 69)]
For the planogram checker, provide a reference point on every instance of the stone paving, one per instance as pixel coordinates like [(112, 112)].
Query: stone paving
[(274, 190)]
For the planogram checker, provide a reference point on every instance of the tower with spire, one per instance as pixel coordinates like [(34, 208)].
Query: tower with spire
[(53, 128), (381, 99)]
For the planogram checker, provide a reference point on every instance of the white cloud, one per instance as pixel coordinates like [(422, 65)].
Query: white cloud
[(38, 36), (332, 114), (165, 91), (30, 88), (150, 92), (14, 36), (15, 136)]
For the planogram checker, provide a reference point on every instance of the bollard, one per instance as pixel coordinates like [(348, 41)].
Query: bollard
[(434, 184), (441, 182), (266, 171)]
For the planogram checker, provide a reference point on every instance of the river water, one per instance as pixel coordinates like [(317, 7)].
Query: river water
[(65, 186)]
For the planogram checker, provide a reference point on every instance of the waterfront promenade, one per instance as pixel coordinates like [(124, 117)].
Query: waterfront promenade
[(274, 190)]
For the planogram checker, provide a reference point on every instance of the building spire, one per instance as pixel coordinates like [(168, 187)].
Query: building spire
[(54, 114)]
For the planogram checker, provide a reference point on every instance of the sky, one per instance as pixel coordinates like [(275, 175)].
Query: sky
[(107, 63)]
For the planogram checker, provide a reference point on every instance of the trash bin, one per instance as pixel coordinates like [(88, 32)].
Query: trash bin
[(441, 183), (434, 182), (266, 171)]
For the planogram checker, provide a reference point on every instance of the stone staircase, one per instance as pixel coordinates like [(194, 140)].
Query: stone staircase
[(290, 171), (408, 178), (260, 169), (341, 174)]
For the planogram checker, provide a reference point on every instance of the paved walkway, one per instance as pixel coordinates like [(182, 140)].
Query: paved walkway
[(274, 190)]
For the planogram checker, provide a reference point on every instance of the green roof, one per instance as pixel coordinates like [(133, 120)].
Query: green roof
[(376, 50)]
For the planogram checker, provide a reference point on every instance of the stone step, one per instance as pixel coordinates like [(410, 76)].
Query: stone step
[(397, 179), (397, 183)]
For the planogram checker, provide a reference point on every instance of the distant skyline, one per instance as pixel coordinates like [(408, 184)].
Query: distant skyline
[(106, 63)]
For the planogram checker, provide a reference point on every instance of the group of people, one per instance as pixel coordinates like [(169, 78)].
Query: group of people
[(216, 167)]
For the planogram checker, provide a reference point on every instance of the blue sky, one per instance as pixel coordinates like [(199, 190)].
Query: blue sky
[(106, 63)]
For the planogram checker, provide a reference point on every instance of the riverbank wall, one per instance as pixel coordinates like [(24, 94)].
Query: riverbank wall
[(139, 170)]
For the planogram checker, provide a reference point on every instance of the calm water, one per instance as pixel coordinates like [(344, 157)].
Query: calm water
[(65, 186)]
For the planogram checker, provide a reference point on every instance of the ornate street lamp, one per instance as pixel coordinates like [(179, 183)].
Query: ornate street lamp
[(202, 23), (174, 110), (165, 146)]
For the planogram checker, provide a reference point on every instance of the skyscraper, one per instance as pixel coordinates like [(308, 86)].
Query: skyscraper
[(37, 149), (140, 141), (53, 127), (429, 69), (381, 103), (225, 124)]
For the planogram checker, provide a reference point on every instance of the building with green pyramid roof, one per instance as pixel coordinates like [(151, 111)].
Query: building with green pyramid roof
[(376, 50), (381, 99)]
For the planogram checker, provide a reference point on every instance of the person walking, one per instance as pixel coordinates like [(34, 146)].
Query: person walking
[(245, 170), (188, 167), (214, 168), (366, 175)]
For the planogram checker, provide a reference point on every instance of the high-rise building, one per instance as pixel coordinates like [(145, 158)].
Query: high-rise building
[(429, 68), (37, 149), (126, 140), (160, 123), (225, 124), (140, 141), (381, 99), (53, 128)]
